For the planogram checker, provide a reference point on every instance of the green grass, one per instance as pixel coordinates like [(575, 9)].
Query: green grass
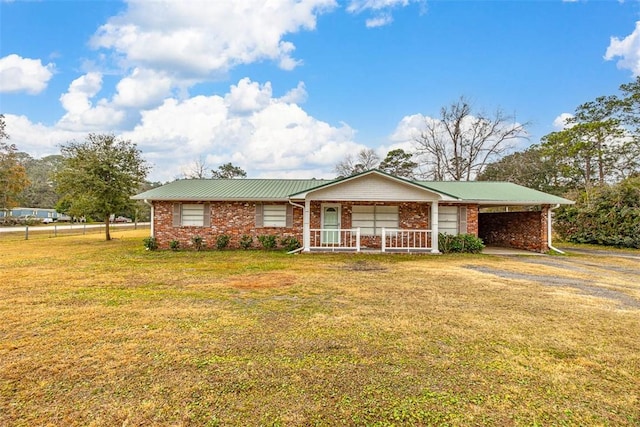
[(106, 333)]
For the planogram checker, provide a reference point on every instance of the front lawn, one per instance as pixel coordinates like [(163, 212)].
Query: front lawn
[(106, 333)]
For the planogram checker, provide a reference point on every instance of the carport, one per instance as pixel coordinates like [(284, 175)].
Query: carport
[(518, 227)]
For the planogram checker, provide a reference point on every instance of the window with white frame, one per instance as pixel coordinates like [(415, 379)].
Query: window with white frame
[(192, 214), (371, 219), (274, 215)]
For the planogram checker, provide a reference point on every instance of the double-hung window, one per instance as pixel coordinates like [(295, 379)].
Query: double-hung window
[(371, 219), (191, 215), (274, 215)]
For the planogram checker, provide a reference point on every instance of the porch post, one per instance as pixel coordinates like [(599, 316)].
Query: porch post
[(306, 225), (384, 239), (434, 227)]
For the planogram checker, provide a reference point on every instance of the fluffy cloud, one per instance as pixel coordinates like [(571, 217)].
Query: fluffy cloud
[(627, 49), (203, 39), (266, 136), (560, 122), (81, 114), (19, 74), (143, 88)]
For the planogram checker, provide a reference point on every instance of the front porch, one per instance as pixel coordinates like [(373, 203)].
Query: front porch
[(390, 240)]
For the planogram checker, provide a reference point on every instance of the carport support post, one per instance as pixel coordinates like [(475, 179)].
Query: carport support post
[(434, 227)]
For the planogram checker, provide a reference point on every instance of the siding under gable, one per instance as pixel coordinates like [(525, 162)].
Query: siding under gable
[(373, 188)]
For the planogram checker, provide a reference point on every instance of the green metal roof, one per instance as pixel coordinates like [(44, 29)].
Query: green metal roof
[(482, 192), (229, 189), (493, 192)]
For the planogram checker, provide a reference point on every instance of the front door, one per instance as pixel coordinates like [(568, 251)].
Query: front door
[(330, 225)]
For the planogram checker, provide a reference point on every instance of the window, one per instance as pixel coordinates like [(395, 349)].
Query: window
[(452, 219), (191, 214), (274, 215), (371, 219)]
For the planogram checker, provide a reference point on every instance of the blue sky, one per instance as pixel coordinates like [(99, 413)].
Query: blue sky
[(289, 89)]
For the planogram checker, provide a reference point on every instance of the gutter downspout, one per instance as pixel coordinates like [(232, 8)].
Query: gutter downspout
[(301, 248), (549, 220), (152, 221)]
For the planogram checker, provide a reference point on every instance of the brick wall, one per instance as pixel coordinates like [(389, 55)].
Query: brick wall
[(521, 230), (232, 218), (238, 218)]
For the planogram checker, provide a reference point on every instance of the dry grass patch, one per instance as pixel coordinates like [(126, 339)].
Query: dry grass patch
[(104, 333)]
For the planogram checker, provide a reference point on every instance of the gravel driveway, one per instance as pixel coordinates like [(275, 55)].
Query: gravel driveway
[(596, 264)]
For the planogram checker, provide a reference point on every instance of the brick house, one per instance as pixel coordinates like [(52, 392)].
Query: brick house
[(372, 210)]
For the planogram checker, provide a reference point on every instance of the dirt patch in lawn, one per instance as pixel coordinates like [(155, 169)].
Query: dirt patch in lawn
[(263, 281), (363, 265)]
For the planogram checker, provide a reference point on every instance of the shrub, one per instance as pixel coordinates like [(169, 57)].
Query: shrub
[(198, 243), (290, 243), (150, 243), (246, 241), (609, 216), (222, 241), (267, 241), (174, 245), (460, 243)]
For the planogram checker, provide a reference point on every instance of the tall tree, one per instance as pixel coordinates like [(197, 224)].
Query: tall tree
[(228, 171), (590, 149), (531, 168), (98, 176), (365, 160), (197, 169), (460, 143), (41, 192), (13, 177), (399, 163)]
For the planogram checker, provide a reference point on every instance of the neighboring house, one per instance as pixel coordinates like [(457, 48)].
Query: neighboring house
[(34, 213), (371, 210)]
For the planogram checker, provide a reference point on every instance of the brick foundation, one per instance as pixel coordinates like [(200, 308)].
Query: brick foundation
[(521, 230)]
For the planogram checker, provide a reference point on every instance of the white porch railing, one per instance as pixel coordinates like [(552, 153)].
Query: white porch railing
[(406, 240), (335, 239)]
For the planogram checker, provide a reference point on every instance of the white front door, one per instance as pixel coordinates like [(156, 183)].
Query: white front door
[(330, 224)]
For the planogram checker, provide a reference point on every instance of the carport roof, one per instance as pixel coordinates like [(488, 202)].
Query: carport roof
[(494, 193), (481, 192)]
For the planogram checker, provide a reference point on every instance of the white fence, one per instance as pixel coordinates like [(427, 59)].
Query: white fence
[(406, 240), (350, 240), (335, 239)]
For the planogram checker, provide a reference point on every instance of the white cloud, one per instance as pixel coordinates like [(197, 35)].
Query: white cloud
[(560, 122), (19, 74), (248, 96), (297, 95), (627, 49), (37, 139), (266, 136), (81, 114), (381, 10), (203, 39), (379, 21), (143, 88)]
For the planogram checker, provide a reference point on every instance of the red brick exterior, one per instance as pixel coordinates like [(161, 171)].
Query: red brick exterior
[(521, 230), (232, 218), (526, 230)]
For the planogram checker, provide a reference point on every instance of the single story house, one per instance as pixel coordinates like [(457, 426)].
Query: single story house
[(372, 210), (34, 213)]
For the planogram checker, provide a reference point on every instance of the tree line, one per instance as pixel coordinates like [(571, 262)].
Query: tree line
[(594, 159)]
